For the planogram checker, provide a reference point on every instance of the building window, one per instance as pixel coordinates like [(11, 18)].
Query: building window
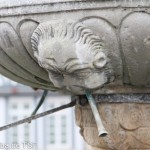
[(14, 131), (26, 133), (14, 106), (63, 129), (52, 130), (26, 106), (21, 133), (14, 135)]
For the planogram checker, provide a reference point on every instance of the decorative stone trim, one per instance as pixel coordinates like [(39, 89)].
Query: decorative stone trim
[(116, 98)]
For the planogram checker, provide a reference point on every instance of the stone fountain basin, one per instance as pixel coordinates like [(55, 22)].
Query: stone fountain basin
[(122, 25)]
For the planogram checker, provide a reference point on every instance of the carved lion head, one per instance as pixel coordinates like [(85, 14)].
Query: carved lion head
[(74, 57)]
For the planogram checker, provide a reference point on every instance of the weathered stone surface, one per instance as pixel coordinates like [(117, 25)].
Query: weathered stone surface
[(114, 23), (106, 32), (110, 38), (26, 28), (74, 57), (117, 98), (15, 58), (126, 123), (135, 40)]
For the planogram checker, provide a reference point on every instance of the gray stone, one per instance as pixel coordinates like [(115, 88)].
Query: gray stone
[(74, 57), (120, 28)]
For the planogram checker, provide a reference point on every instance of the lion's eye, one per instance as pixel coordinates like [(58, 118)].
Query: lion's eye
[(44, 64), (56, 75), (82, 73)]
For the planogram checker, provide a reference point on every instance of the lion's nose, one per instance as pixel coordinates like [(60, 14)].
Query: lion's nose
[(61, 66)]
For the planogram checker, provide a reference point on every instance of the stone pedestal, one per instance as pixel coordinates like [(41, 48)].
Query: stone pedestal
[(93, 148), (89, 147), (128, 125)]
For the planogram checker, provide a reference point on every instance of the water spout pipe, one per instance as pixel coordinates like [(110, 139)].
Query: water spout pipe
[(101, 129)]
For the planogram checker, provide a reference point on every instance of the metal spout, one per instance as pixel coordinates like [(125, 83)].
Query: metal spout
[(101, 129)]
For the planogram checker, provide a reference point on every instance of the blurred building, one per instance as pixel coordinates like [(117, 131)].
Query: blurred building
[(56, 132)]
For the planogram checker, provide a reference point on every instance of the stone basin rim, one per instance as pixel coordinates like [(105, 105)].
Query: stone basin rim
[(14, 3), (22, 8)]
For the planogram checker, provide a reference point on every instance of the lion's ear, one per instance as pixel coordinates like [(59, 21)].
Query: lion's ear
[(100, 60), (36, 54)]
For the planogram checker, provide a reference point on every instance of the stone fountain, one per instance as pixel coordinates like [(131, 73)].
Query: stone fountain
[(75, 46)]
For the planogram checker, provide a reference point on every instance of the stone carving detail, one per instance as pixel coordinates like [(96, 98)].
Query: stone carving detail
[(16, 63), (128, 125), (135, 41), (126, 49), (123, 53), (107, 33), (111, 41), (74, 57), (26, 28)]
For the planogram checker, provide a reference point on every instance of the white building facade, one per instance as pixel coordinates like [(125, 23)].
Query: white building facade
[(56, 132)]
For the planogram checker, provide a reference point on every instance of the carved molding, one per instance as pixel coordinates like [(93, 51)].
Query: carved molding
[(33, 7), (117, 98)]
